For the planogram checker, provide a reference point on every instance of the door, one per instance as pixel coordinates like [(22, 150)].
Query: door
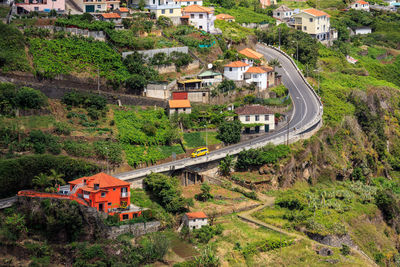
[(257, 129), (247, 130), (266, 128), (101, 207), (89, 8)]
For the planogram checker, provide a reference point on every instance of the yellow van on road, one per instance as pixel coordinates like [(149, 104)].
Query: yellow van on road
[(200, 152)]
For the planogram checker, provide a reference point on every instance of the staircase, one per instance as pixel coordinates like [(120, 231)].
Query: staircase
[(74, 6), (76, 187)]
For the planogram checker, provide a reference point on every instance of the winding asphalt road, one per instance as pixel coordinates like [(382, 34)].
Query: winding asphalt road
[(307, 115)]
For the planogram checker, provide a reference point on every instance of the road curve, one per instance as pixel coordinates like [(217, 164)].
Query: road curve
[(307, 115)]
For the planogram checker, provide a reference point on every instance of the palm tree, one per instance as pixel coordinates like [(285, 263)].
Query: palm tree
[(41, 181), (274, 63), (56, 178)]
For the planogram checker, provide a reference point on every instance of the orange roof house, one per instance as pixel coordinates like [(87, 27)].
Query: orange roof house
[(316, 13), (196, 215), (105, 193), (236, 64), (256, 70), (123, 9), (197, 9), (250, 53), (195, 220), (225, 17), (179, 106), (110, 16)]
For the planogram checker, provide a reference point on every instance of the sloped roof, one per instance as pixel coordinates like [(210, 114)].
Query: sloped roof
[(124, 9), (315, 12), (196, 215), (251, 110), (237, 64), (224, 16), (283, 8), (250, 53), (197, 9), (111, 16), (265, 2), (102, 179), (256, 70), (209, 73), (362, 2), (184, 103)]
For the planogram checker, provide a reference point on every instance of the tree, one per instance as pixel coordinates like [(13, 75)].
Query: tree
[(30, 98), (205, 194), (56, 178), (274, 63), (225, 166), (229, 132), (142, 4), (136, 83), (41, 181), (164, 22), (226, 86)]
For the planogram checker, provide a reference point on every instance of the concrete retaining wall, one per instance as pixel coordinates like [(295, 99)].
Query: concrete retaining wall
[(97, 35), (136, 229), (152, 52)]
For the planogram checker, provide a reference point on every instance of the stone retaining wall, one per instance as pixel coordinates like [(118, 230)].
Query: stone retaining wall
[(136, 229)]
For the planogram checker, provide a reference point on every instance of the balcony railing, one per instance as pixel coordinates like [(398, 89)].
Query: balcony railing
[(125, 194), (86, 196)]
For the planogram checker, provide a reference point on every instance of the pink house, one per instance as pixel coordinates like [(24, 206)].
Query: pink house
[(42, 5)]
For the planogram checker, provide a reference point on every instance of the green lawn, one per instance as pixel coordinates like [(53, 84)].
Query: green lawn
[(245, 15), (198, 139), (29, 122)]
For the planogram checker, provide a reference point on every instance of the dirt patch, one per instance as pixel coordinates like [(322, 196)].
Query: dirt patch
[(191, 190)]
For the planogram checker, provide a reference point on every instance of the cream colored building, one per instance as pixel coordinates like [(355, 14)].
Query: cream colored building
[(167, 8), (314, 22), (261, 116)]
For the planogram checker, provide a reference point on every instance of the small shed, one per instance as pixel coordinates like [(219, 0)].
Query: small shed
[(179, 106), (195, 220), (210, 77)]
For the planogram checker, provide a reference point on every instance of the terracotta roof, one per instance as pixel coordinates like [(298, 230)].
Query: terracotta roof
[(196, 215), (185, 17), (267, 68), (111, 16), (256, 70), (283, 8), (197, 9), (361, 2), (124, 9), (104, 180), (224, 16), (184, 103), (251, 110), (265, 3), (251, 53), (316, 12), (237, 64)]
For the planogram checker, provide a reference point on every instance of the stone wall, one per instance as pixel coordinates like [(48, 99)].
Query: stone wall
[(152, 52), (97, 35), (56, 89), (136, 229)]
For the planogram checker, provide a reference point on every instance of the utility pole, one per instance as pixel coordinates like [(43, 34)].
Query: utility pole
[(279, 30)]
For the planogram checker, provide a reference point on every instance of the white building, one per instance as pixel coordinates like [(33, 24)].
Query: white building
[(209, 78), (189, 2), (360, 5), (256, 114), (167, 8), (179, 106), (260, 76), (282, 13), (201, 17), (361, 31), (111, 17), (235, 70), (195, 220)]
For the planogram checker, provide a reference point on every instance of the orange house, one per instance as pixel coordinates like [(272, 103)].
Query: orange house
[(107, 194)]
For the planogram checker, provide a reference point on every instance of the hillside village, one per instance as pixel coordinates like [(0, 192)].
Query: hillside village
[(199, 133)]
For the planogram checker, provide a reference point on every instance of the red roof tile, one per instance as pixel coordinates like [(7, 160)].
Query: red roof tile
[(196, 215), (197, 9), (256, 70), (181, 103), (102, 179), (224, 16), (237, 64), (124, 9), (250, 53), (361, 2), (251, 110), (316, 12), (111, 16)]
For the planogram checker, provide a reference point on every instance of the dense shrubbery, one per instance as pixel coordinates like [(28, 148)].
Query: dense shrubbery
[(59, 56), (229, 132), (253, 158), (206, 233), (12, 49), (24, 98), (167, 192), (84, 100), (84, 21), (17, 174), (245, 14), (265, 245)]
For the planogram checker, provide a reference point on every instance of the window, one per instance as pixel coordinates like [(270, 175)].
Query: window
[(317, 28), (305, 28), (195, 3), (125, 216), (230, 69), (162, 11), (257, 117), (311, 19), (254, 75), (114, 189), (200, 16), (98, 6), (266, 117), (247, 118), (103, 194), (109, 203), (171, 11), (278, 14), (36, 8), (204, 94), (192, 16), (154, 2), (184, 109)]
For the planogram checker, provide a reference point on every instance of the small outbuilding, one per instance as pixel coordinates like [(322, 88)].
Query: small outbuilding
[(179, 106), (195, 220), (259, 118), (225, 17)]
